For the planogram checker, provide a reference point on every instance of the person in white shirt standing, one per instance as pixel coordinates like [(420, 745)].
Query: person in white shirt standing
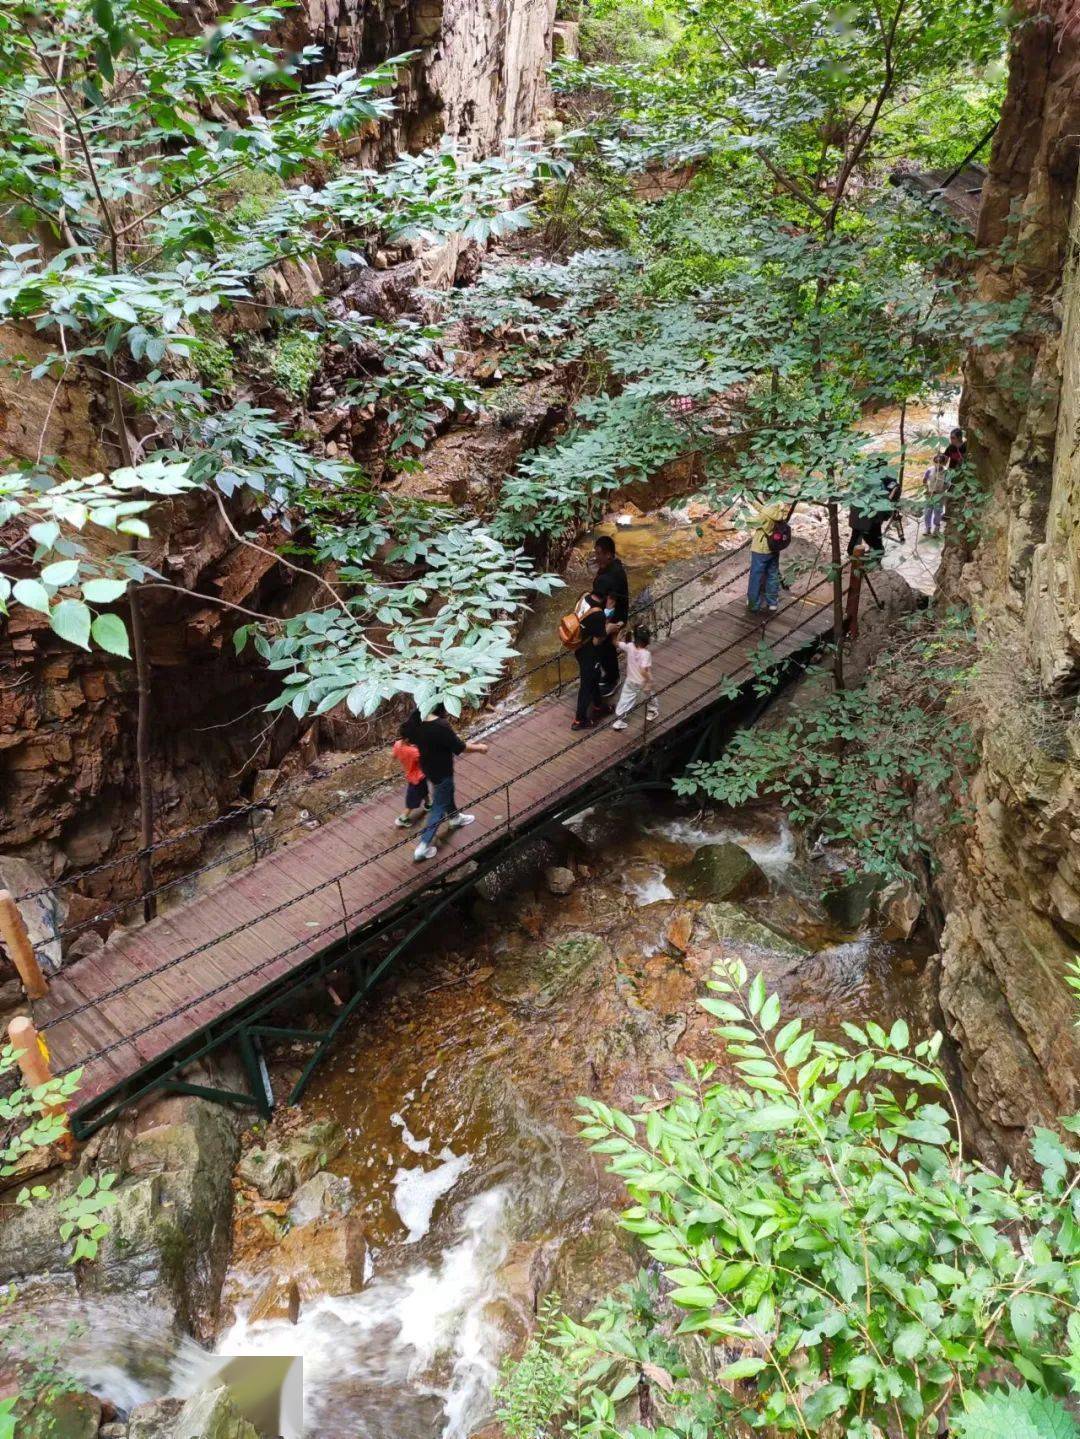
[(638, 684)]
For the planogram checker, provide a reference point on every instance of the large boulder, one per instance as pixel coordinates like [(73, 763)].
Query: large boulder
[(718, 872), (536, 977), (324, 1257), (156, 1419), (733, 927)]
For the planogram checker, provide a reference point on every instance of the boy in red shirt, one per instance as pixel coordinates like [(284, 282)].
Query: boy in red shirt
[(417, 796)]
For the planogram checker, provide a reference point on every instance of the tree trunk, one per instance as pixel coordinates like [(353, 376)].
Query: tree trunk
[(838, 596)]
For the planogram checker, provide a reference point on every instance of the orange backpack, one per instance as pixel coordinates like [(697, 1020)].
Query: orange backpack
[(570, 631)]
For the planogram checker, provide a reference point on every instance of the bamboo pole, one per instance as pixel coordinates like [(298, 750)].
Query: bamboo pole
[(20, 950)]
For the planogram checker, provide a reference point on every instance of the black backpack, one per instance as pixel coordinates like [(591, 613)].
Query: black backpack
[(778, 537)]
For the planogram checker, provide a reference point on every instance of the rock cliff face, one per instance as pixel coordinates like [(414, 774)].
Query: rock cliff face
[(67, 794), (1010, 883)]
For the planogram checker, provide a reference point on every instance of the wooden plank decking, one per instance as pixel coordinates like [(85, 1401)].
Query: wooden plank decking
[(164, 982)]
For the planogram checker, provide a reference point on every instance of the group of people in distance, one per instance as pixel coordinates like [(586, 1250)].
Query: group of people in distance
[(426, 748)]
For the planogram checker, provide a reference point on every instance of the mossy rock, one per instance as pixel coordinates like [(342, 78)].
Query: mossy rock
[(718, 872), (538, 976), (732, 925), (62, 1415)]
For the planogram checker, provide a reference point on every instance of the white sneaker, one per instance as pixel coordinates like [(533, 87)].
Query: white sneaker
[(773, 609), (403, 821), (619, 724), (652, 714), (461, 820), (424, 851)]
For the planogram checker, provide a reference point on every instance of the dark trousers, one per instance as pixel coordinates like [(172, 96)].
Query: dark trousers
[(872, 537), (589, 676), (608, 660)]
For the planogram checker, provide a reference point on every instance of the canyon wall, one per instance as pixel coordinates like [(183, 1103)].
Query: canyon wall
[(67, 718), (1010, 879)]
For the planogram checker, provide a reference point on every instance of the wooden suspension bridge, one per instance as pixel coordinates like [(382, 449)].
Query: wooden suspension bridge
[(219, 971)]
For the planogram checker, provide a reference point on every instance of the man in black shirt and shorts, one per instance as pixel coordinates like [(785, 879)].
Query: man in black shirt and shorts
[(438, 746), (613, 588)]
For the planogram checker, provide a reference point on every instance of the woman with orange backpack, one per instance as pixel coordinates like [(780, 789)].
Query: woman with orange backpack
[(584, 631)]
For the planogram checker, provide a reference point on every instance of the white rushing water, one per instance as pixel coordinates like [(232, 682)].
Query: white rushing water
[(775, 852), (414, 1349)]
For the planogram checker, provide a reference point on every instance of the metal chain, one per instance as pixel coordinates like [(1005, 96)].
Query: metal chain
[(379, 854)]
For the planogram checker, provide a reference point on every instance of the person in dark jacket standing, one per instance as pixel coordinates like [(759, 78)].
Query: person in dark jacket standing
[(613, 588), (594, 631), (439, 746)]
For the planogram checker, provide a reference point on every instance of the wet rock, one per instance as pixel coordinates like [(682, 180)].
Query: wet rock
[(680, 929), (62, 1415), (324, 1257), (849, 905), (279, 1299), (559, 879), (213, 1415), (155, 1420), (194, 1155), (718, 872), (43, 915), (116, 1430), (592, 1264), (539, 977), (265, 782), (268, 1171), (732, 925), (320, 1197), (900, 906), (89, 942)]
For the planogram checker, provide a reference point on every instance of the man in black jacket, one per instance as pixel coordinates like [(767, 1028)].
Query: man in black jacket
[(439, 746), (613, 589)]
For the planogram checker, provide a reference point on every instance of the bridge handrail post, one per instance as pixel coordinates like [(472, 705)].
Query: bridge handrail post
[(20, 951), (506, 789)]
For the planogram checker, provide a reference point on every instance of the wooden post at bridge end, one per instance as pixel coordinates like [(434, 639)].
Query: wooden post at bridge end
[(33, 1061), (20, 951)]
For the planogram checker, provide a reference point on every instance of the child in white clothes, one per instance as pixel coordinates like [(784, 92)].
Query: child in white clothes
[(638, 683)]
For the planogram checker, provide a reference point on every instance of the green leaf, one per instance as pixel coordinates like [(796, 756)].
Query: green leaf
[(909, 1342), (898, 1035), (103, 591), (32, 594), (71, 621), (109, 632), (1022, 1319), (741, 1369), (60, 572)]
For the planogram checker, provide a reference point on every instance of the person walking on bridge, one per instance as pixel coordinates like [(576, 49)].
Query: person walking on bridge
[(439, 746), (770, 532), (613, 588)]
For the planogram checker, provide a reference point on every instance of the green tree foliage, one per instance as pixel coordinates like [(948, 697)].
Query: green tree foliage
[(830, 1259), (159, 180), (786, 284)]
